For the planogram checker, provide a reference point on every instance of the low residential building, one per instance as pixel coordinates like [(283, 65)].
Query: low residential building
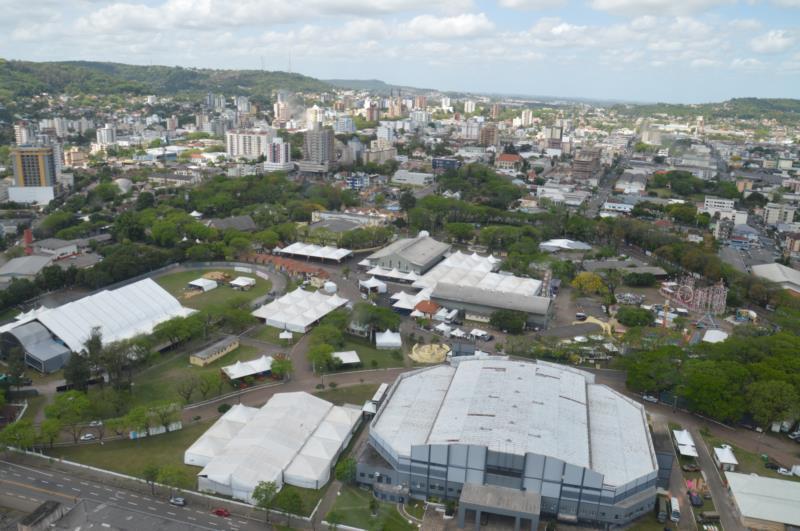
[(215, 351), (55, 247), (241, 223)]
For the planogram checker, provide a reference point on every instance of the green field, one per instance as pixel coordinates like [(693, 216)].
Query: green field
[(371, 357), (176, 283), (352, 394), (35, 404), (352, 508), (310, 497), (749, 462), (157, 382), (269, 334), (132, 457)]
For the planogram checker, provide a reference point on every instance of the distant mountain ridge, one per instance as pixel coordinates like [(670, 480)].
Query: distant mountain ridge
[(26, 78)]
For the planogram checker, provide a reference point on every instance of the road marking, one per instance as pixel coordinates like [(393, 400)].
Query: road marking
[(17, 475), (151, 508), (129, 517), (59, 485), (134, 496), (35, 471), (36, 489), (31, 479), (45, 481), (132, 503), (171, 514), (242, 522), (76, 490), (94, 494), (21, 497), (200, 512), (192, 518), (159, 502), (84, 484), (107, 489)]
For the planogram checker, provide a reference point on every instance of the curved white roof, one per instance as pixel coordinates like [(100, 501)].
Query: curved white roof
[(298, 310), (315, 251), (120, 314)]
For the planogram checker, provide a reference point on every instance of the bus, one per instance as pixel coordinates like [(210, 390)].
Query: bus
[(675, 510)]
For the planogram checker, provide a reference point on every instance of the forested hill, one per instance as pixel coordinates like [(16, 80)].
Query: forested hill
[(26, 78), (784, 110)]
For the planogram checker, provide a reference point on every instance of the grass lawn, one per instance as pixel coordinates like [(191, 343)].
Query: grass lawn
[(352, 394), (416, 509), (131, 457), (749, 462), (157, 382), (648, 523), (35, 404), (269, 334), (310, 497), (371, 357), (176, 283), (352, 508)]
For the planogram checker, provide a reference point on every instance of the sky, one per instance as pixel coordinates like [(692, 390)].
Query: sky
[(689, 51)]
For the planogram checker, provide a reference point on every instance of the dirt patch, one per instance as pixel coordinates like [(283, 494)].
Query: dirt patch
[(219, 276), (433, 353)]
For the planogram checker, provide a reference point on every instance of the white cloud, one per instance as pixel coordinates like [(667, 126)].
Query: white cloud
[(746, 64), (787, 3), (745, 24), (655, 7), (703, 63), (775, 41), (531, 4), (466, 25)]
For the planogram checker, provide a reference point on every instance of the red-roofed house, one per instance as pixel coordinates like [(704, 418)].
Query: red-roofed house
[(508, 161)]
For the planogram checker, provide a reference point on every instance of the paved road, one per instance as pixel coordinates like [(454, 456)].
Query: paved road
[(719, 493), (25, 487)]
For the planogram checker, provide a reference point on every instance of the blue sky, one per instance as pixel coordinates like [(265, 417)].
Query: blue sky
[(640, 50)]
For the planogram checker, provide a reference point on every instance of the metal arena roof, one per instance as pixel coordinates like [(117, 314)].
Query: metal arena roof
[(520, 407)]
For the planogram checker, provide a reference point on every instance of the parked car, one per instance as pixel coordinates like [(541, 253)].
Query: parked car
[(695, 499), (580, 316), (221, 511), (96, 423), (691, 467), (88, 437), (794, 435), (488, 337), (650, 398), (772, 466), (177, 501), (784, 471)]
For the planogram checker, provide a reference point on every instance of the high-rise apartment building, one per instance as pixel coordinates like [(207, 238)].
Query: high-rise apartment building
[(23, 133), (34, 166), (777, 213), (278, 156), (420, 102), (318, 145), (314, 115), (488, 135), (496, 110), (344, 124), (247, 144), (446, 103), (526, 118), (469, 106), (107, 135)]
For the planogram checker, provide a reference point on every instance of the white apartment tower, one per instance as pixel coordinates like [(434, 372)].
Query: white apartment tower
[(469, 106), (247, 144), (278, 156), (107, 135)]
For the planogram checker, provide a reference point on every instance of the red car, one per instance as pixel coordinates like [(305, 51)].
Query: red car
[(221, 511)]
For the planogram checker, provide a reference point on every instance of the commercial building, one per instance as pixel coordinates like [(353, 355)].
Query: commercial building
[(414, 255), (488, 430), (412, 178), (294, 439), (215, 351), (586, 164), (344, 124), (247, 144), (785, 277), (765, 504), (23, 267), (48, 336), (55, 248), (34, 166), (777, 213)]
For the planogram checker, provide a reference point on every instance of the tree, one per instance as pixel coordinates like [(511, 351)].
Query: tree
[(589, 283), (716, 388), (16, 366), (321, 357), (653, 371), (282, 367), (20, 434), (166, 413), (208, 382), (138, 419), (150, 474), (49, 430), (173, 477), (771, 401), (264, 496), (93, 348), (71, 410), (460, 231), (77, 372), (407, 201), (510, 321), (293, 504), (640, 280), (346, 471), (185, 388), (612, 278), (631, 316)]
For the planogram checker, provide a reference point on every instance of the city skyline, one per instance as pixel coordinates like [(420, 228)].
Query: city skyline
[(630, 50)]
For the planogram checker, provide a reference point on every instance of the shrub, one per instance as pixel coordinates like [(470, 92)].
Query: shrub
[(223, 408)]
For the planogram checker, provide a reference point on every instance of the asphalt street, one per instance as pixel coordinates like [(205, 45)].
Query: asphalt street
[(24, 488)]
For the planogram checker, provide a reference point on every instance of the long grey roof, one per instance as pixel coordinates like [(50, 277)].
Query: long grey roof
[(24, 265), (38, 341), (418, 251), (493, 299)]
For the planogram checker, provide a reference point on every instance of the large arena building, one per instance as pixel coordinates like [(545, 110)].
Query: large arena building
[(513, 439)]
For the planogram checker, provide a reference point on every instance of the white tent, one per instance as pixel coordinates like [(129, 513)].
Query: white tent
[(406, 301), (204, 284), (457, 332), (243, 282), (685, 443), (285, 335), (373, 283), (294, 438), (443, 328), (347, 357), (388, 340), (310, 250), (298, 310), (122, 313), (241, 369), (714, 336)]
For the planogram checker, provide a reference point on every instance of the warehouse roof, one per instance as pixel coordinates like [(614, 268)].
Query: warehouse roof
[(310, 250), (778, 273), (564, 245), (517, 408), (120, 314), (24, 266), (418, 251), (507, 300), (761, 498), (473, 270)]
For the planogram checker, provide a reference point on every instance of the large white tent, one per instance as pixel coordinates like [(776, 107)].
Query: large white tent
[(203, 284), (294, 438), (242, 369), (310, 250), (120, 314), (298, 310), (388, 340)]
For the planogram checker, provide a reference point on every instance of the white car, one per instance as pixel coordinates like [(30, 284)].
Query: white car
[(96, 423), (88, 437), (650, 398), (784, 471)]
